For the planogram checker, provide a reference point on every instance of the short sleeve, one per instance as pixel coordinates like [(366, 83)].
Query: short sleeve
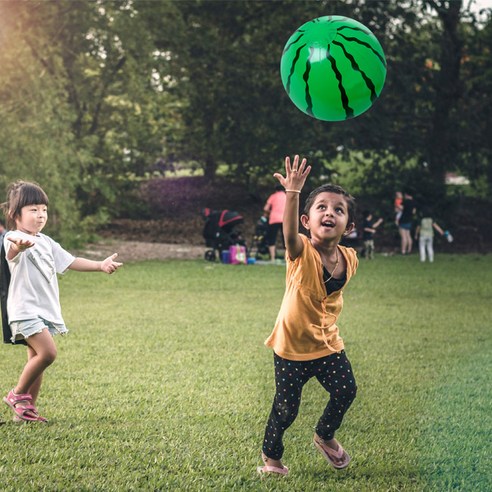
[(63, 259)]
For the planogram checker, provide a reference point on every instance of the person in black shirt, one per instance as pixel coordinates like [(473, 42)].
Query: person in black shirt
[(369, 228), (405, 223)]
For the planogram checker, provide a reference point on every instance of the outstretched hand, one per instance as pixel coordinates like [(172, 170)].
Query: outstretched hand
[(109, 265), (295, 174), (21, 244)]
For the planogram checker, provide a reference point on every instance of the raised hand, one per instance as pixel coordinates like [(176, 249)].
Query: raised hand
[(295, 174)]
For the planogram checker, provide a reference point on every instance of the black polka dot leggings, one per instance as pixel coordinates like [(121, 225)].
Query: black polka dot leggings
[(334, 372)]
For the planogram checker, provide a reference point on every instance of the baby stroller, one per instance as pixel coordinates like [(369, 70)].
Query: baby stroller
[(259, 246), (219, 231)]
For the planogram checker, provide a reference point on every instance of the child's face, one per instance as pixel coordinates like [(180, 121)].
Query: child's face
[(32, 219), (328, 217)]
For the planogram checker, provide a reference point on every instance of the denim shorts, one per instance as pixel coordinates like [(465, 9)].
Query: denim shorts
[(406, 225), (28, 327)]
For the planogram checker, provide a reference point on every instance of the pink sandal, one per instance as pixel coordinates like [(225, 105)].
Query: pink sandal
[(267, 469), (333, 457), (22, 407), (18, 420)]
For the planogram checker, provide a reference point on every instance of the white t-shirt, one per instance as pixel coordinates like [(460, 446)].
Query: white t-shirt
[(426, 229), (33, 289)]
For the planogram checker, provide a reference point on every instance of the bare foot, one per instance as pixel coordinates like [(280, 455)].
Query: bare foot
[(271, 462)]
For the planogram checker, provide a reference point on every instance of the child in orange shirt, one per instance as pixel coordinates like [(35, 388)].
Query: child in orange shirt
[(398, 206), (305, 339)]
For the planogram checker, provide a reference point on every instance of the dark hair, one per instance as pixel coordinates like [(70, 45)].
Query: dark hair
[(19, 195), (331, 188), (279, 187)]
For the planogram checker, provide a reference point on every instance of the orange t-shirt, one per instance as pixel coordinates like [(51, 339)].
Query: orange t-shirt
[(306, 323)]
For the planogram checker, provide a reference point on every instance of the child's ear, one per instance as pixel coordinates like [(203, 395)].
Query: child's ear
[(350, 227), (305, 221)]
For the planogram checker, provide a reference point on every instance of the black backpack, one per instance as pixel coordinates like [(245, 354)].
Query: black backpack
[(4, 292)]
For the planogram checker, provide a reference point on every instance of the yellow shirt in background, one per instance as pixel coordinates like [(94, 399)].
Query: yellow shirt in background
[(306, 323)]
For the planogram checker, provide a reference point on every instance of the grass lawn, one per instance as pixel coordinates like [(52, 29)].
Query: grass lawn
[(164, 383)]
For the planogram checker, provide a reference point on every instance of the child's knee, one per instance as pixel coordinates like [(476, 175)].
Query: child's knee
[(285, 414), (347, 391), (48, 355)]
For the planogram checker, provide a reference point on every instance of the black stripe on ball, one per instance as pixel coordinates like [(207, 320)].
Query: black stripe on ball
[(309, 101), (358, 41), (349, 112), (369, 83), (293, 42), (352, 28), (292, 68)]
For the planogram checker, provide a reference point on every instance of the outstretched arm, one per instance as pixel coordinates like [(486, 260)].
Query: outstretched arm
[(293, 182), (438, 228), (107, 266)]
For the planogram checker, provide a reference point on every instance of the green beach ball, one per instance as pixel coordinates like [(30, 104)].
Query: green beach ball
[(333, 68)]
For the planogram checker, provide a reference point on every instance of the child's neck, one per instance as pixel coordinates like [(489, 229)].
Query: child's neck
[(325, 249), (24, 231)]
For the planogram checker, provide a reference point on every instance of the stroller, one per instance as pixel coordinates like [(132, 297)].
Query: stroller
[(259, 246), (219, 231)]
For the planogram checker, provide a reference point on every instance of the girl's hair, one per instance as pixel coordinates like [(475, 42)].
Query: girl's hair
[(19, 195), (331, 188)]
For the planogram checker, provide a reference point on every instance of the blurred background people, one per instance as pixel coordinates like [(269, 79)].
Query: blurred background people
[(274, 207)]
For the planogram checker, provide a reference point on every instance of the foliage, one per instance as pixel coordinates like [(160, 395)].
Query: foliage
[(475, 108), (121, 110), (164, 383), (97, 93), (171, 197), (37, 143)]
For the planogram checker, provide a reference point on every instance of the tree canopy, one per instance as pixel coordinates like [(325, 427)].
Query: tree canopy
[(94, 95)]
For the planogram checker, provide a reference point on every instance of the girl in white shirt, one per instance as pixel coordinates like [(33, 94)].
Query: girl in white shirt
[(33, 306)]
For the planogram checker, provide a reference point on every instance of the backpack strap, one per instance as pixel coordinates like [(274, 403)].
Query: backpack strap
[(4, 292)]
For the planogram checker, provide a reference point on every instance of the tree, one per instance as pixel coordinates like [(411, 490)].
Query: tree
[(474, 110), (225, 60), (94, 93), (91, 64), (35, 119), (122, 110), (441, 144)]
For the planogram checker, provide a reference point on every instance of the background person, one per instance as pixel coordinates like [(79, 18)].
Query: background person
[(3, 230), (274, 207), (425, 235), (405, 223), (368, 231), (398, 206)]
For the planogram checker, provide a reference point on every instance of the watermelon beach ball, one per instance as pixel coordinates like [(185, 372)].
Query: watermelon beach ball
[(333, 68)]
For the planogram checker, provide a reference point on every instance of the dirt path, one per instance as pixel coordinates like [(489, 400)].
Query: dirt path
[(137, 251)]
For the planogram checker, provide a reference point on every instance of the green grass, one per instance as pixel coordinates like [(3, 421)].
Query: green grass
[(164, 383)]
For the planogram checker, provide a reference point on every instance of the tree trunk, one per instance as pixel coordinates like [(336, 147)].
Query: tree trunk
[(441, 146), (210, 168)]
